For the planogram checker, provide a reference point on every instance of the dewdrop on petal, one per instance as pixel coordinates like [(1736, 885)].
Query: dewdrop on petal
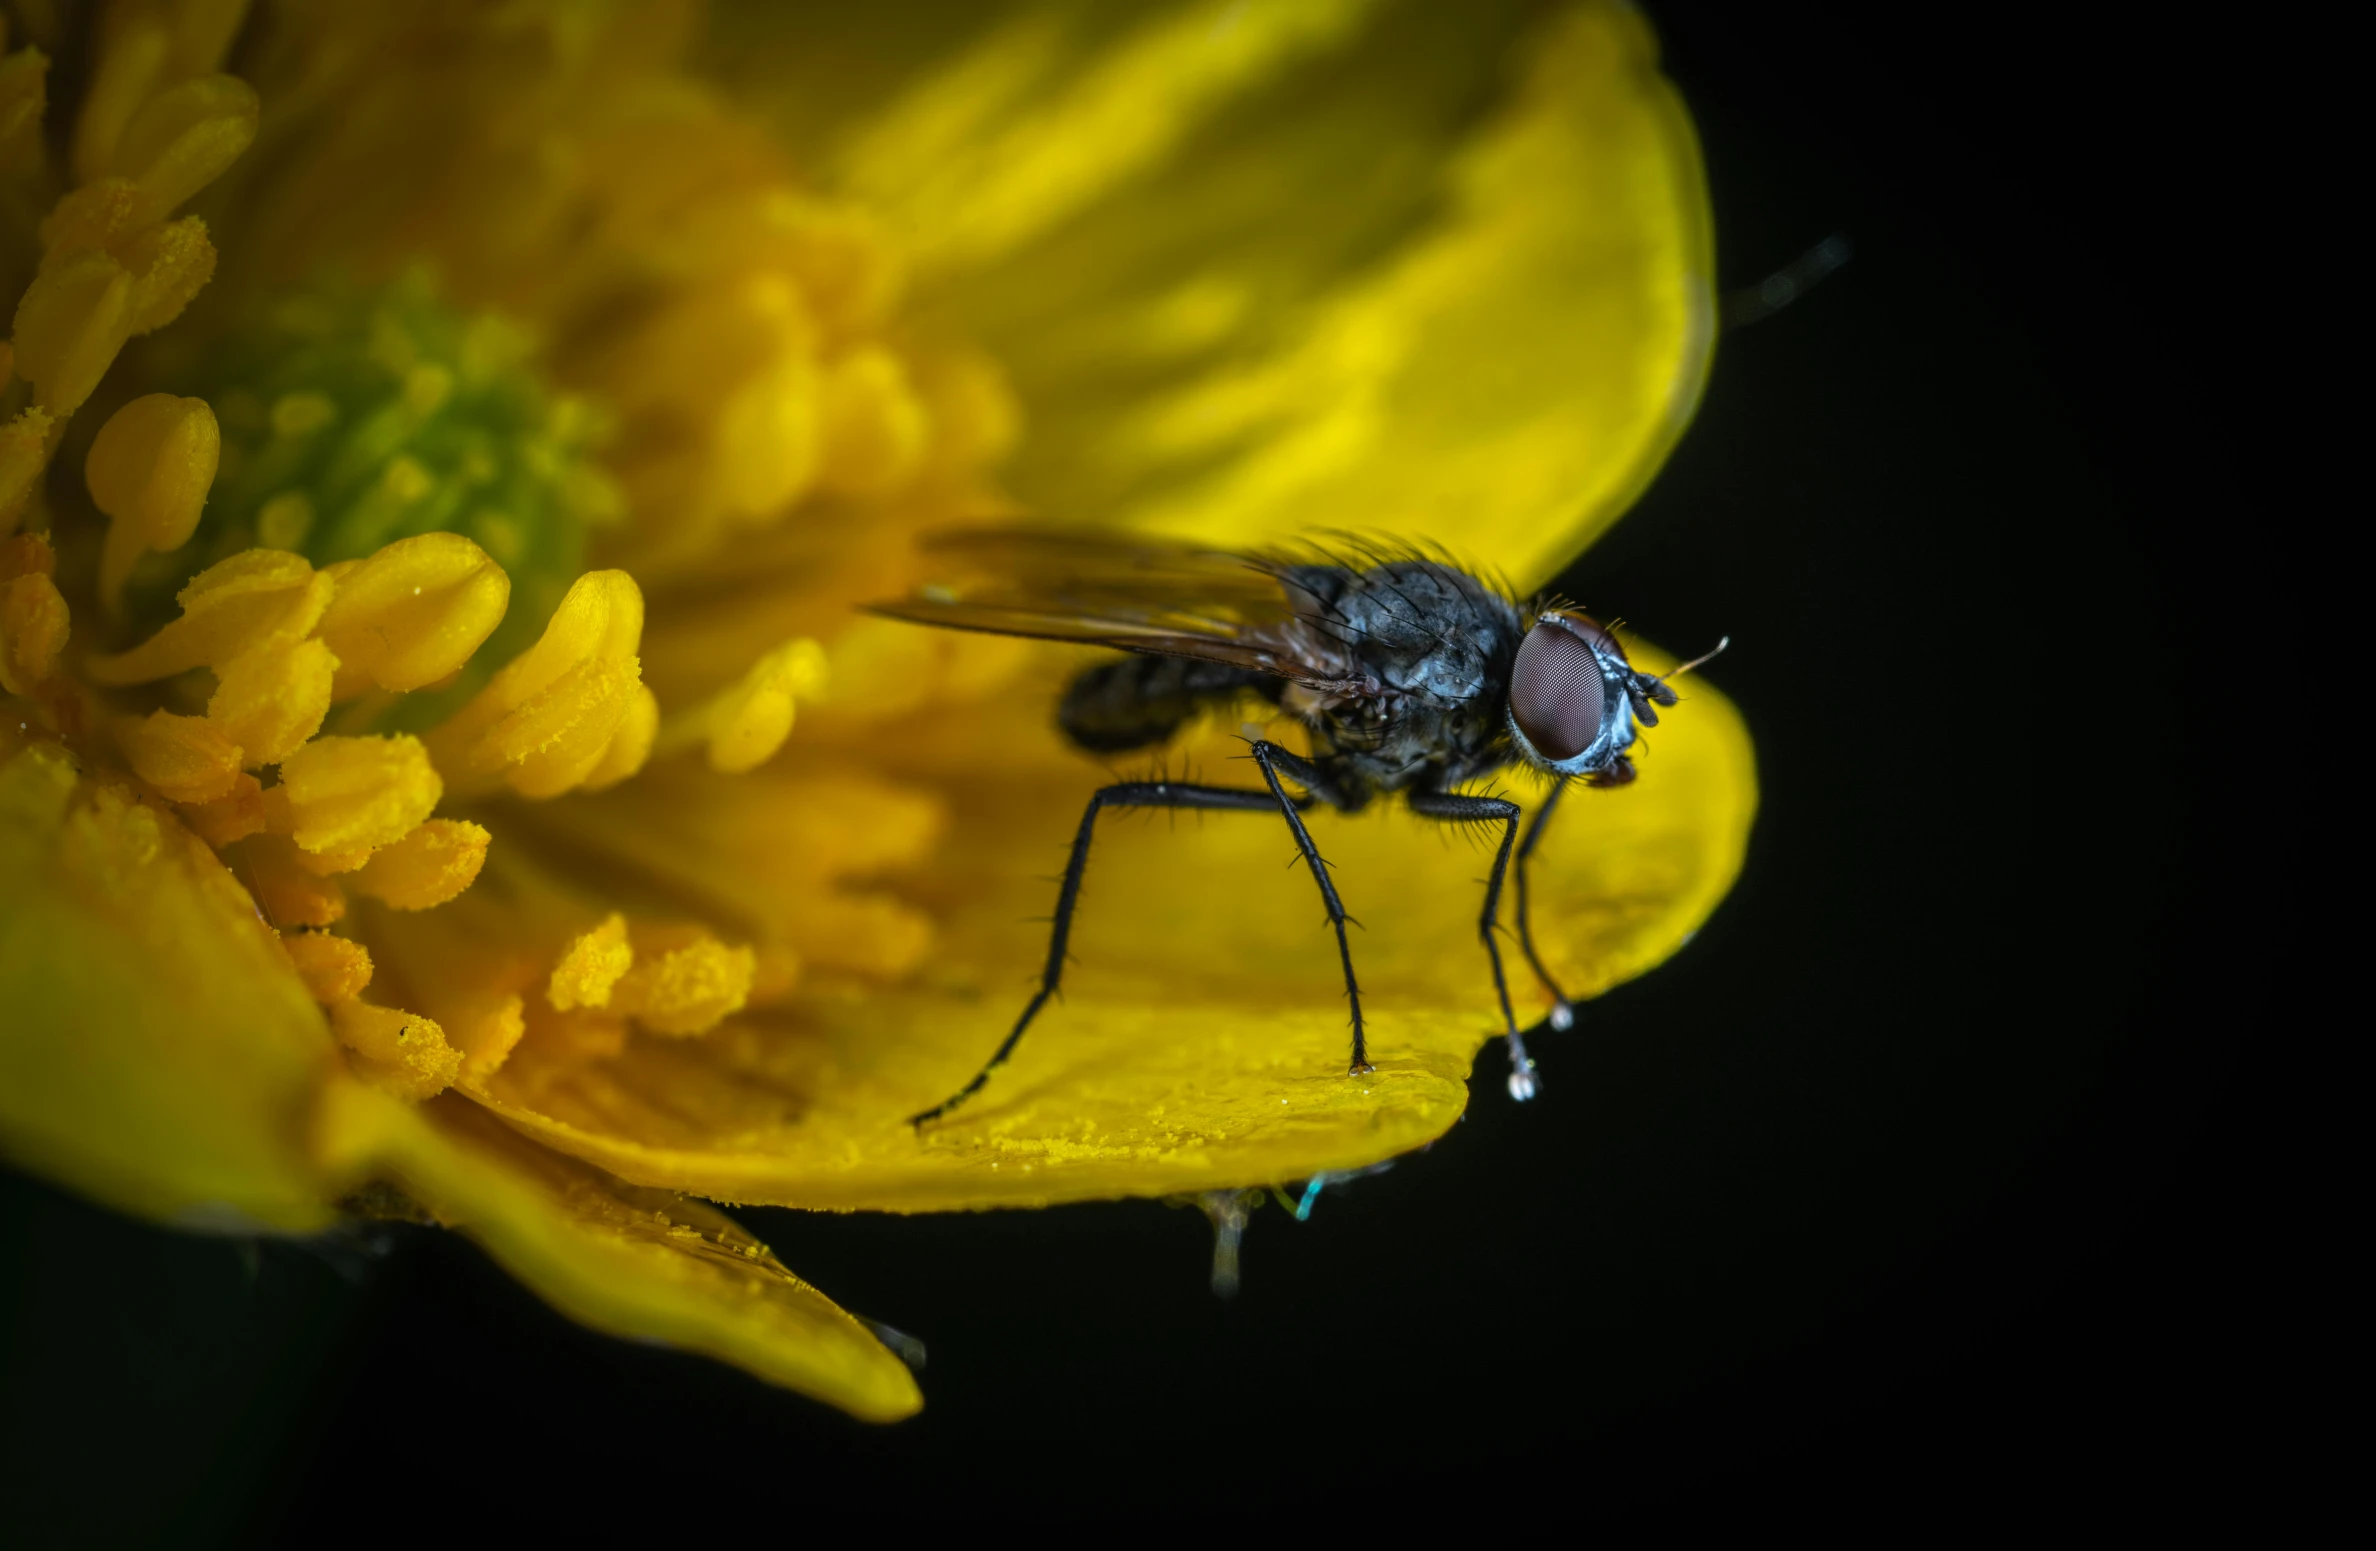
[(149, 470)]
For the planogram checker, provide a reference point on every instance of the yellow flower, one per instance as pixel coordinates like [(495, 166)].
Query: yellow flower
[(443, 770)]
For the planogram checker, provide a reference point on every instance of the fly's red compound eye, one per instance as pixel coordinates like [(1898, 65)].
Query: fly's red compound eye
[(1556, 695)]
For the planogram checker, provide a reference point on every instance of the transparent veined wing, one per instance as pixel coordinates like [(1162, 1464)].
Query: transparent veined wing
[(1134, 594)]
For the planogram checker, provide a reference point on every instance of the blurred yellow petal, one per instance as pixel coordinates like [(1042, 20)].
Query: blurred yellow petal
[(159, 1053), (1504, 379), (637, 1263)]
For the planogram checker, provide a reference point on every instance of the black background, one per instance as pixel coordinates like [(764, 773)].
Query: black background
[(1908, 1180)]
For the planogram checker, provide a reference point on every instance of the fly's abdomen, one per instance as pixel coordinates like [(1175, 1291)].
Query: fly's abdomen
[(1138, 702)]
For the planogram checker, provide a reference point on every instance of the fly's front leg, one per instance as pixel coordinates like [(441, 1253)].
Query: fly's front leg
[(1126, 794), (1563, 1011), (1275, 760), (1453, 808)]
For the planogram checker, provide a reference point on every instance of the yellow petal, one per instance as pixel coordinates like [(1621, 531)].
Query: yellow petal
[(636, 1263), (1157, 1073), (158, 1053), (1524, 344)]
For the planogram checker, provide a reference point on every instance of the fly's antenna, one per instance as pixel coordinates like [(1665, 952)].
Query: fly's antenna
[(1710, 655)]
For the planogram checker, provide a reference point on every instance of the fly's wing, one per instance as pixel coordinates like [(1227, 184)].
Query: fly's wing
[(1139, 595)]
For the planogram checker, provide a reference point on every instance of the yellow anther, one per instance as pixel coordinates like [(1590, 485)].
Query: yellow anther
[(138, 47), (33, 617), (134, 43), (400, 1052), (685, 988), (271, 699), (302, 413), (486, 1034), (149, 470), (747, 722), (334, 969), (592, 964), (875, 428), (283, 521), (229, 819), (351, 793), (289, 893), (629, 746), (544, 723), (170, 264), (426, 387), (187, 758), (24, 99), (184, 138), (69, 325), (233, 607), (24, 453), (413, 613), (426, 868)]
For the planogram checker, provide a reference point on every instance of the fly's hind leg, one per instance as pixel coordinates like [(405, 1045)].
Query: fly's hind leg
[(1454, 808), (1148, 794)]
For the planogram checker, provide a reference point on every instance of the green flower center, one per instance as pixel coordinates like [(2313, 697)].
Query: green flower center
[(354, 418)]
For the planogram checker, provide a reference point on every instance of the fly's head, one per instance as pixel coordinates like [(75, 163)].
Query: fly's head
[(1577, 703)]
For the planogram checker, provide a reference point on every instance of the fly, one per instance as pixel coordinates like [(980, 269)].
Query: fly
[(1408, 674)]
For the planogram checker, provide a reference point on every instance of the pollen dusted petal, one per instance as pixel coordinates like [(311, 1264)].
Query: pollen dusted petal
[(401, 1053), (592, 965), (334, 969), (187, 758), (271, 699), (346, 793), (414, 612), (427, 867), (253, 598)]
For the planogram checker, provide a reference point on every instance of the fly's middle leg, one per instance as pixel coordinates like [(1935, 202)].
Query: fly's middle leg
[(1274, 760), (1454, 808), (1132, 794), (1563, 1011)]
